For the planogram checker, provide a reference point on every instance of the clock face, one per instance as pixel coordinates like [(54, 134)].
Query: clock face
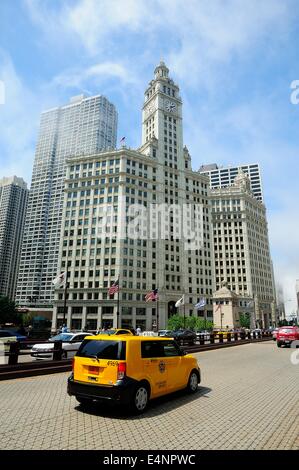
[(170, 106), (150, 109)]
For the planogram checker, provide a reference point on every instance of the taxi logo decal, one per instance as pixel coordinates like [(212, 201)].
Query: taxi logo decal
[(162, 366)]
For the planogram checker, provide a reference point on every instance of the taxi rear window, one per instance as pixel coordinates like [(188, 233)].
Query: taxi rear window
[(103, 349)]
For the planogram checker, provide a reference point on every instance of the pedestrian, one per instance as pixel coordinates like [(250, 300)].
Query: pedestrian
[(138, 331), (64, 329)]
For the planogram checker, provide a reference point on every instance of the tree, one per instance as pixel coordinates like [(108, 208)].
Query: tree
[(28, 318), (245, 320), (202, 324), (8, 312), (193, 323), (175, 322)]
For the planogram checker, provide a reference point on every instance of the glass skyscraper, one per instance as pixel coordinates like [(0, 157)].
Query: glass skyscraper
[(13, 202), (85, 126)]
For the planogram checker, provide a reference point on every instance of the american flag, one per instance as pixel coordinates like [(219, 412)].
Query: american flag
[(114, 288), (152, 295), (122, 140)]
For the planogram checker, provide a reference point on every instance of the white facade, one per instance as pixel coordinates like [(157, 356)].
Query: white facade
[(13, 203), (84, 126), (221, 177), (241, 247), (159, 172)]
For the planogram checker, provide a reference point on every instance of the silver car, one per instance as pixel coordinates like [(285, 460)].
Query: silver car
[(70, 345)]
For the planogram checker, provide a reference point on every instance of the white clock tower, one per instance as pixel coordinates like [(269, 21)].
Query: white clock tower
[(162, 134)]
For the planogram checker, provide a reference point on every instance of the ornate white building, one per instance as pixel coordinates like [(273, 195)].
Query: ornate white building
[(241, 247), (102, 187)]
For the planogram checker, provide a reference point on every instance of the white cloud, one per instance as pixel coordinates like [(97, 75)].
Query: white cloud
[(18, 122), (206, 46), (96, 74), (284, 229)]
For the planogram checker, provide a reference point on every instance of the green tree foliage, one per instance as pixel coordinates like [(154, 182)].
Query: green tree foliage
[(202, 324), (175, 322), (191, 322), (28, 319), (245, 320), (8, 312)]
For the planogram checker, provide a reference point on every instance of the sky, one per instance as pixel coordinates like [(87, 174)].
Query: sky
[(233, 60)]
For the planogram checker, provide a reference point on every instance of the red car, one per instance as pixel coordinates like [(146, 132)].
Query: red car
[(286, 335)]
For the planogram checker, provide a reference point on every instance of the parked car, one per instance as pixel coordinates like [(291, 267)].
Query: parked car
[(149, 333), (274, 334), (167, 333), (286, 335), (12, 334), (115, 331), (70, 345), (205, 334), (130, 370), (223, 332), (184, 336)]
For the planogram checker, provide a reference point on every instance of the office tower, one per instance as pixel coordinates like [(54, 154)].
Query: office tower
[(297, 296), (221, 177), (241, 247), (13, 203), (280, 301), (86, 125), (155, 176)]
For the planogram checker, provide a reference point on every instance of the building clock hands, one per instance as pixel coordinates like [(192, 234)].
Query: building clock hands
[(150, 109), (170, 106)]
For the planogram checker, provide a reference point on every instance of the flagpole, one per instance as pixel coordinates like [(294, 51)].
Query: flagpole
[(65, 294), (157, 311), (118, 309), (220, 317)]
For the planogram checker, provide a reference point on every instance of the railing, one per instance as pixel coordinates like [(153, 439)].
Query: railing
[(16, 350)]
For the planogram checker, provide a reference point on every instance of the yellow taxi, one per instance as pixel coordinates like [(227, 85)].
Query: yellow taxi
[(223, 333), (130, 370)]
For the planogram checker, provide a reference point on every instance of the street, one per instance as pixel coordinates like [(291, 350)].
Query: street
[(248, 399)]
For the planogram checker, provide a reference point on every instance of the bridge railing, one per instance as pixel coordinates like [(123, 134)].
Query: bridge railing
[(15, 349)]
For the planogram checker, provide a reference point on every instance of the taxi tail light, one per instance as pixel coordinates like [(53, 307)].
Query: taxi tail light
[(121, 370)]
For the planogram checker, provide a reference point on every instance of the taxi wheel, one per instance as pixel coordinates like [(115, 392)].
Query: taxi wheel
[(193, 382), (140, 398)]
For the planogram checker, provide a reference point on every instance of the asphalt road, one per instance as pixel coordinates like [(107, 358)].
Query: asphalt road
[(248, 399)]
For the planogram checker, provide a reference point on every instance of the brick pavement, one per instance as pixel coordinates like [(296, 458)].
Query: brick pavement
[(249, 399)]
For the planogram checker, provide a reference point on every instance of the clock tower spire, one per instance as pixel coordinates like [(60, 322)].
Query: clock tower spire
[(162, 134)]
